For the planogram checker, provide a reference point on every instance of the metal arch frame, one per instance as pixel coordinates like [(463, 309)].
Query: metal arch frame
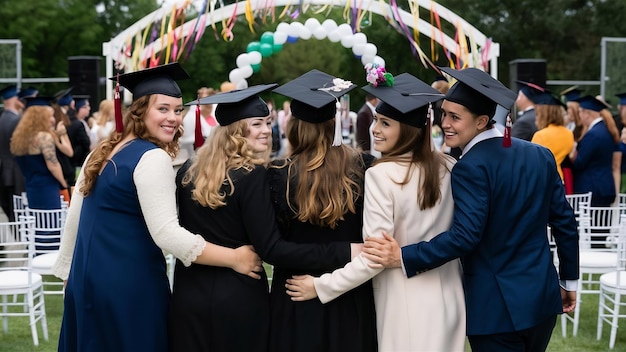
[(115, 46)]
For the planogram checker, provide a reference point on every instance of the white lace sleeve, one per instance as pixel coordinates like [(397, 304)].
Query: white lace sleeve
[(154, 179)]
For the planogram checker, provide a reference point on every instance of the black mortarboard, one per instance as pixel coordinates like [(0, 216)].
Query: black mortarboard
[(38, 101), (315, 95), (64, 97), (622, 98), (590, 103), (28, 92), (532, 91), (9, 92), (572, 93), (238, 104), (80, 101), (478, 91), (406, 101), (155, 80), (549, 99)]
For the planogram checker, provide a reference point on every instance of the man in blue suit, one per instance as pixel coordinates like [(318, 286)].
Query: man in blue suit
[(592, 160), (506, 192)]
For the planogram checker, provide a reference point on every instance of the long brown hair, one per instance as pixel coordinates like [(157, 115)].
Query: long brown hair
[(549, 115), (133, 124), (327, 180), (610, 124), (226, 149), (414, 147), (34, 120)]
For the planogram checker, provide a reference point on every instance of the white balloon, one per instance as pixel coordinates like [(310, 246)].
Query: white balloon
[(305, 33), (347, 41), (334, 36), (282, 27), (366, 59), (360, 38), (319, 33), (312, 24), (344, 29), (243, 60), (294, 29), (370, 49), (379, 60), (254, 57), (243, 84), (358, 49), (235, 75), (329, 25), (246, 71), (280, 37)]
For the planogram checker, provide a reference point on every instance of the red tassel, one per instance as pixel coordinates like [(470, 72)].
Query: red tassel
[(506, 142), (199, 140), (119, 123)]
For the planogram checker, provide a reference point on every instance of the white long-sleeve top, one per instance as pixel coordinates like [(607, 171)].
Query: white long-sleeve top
[(154, 180)]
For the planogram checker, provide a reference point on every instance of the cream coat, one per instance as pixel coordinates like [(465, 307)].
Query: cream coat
[(422, 313)]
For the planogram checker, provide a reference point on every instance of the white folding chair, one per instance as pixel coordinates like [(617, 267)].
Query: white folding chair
[(16, 279), (598, 231), (613, 290), (575, 201), (49, 225), (19, 205)]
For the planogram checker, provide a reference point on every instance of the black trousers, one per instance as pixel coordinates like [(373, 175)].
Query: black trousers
[(534, 339), (6, 200)]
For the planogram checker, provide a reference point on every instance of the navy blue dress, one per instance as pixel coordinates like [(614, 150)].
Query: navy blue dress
[(117, 295), (42, 189)]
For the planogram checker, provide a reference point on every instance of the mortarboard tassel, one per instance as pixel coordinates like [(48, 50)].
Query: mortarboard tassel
[(338, 140), (199, 140), (506, 142), (119, 123)]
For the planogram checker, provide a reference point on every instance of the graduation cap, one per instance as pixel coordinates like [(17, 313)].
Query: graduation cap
[(532, 91), (589, 102), (38, 101), (406, 101), (478, 91), (80, 101), (9, 92), (622, 98), (28, 92), (572, 93), (315, 95), (64, 97), (155, 80), (238, 104)]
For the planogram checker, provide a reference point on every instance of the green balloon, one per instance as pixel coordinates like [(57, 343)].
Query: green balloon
[(277, 48), (256, 68), (253, 46), (267, 37), (266, 50)]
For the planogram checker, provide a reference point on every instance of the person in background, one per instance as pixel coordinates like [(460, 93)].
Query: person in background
[(83, 113), (122, 218), (207, 122), (364, 119), (81, 143), (506, 192), (592, 159), (64, 150), (407, 192), (551, 131), (11, 179), (33, 146), (223, 194), (317, 191), (614, 130), (104, 120), (525, 126)]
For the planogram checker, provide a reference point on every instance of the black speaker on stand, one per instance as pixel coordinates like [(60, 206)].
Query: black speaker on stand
[(84, 74)]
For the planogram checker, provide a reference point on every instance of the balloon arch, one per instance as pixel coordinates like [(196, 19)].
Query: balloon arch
[(166, 35)]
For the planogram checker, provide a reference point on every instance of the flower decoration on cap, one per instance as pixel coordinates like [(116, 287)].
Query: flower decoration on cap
[(376, 75)]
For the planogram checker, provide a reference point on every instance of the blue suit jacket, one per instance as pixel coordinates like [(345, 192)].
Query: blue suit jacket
[(593, 166), (503, 200)]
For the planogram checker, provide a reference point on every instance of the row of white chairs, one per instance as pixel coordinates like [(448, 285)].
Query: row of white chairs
[(602, 244)]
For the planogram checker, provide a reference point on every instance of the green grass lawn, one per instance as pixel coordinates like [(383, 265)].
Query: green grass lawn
[(19, 338)]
